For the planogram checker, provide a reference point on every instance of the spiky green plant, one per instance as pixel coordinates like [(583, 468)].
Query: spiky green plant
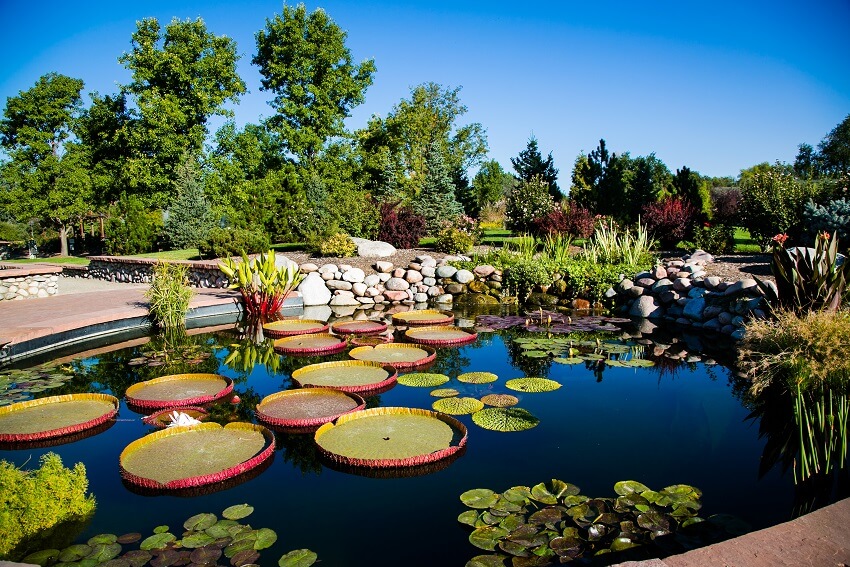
[(169, 295), (263, 285), (609, 245)]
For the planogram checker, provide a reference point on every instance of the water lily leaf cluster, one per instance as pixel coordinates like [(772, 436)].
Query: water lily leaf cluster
[(20, 385), (205, 539), (553, 522), (186, 354), (550, 322), (566, 350)]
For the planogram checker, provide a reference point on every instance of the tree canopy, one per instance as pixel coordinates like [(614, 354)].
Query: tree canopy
[(529, 164)]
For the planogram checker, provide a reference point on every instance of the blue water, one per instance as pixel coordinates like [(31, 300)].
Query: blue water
[(658, 428)]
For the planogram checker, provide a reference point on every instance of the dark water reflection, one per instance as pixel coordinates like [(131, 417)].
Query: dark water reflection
[(678, 422)]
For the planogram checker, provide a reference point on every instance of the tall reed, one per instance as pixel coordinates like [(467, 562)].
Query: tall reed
[(169, 295)]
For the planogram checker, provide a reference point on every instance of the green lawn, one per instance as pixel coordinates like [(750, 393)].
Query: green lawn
[(744, 243), (186, 254), (74, 260)]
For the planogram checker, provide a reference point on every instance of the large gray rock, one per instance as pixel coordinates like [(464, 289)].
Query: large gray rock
[(281, 261), (338, 284), (354, 275), (694, 308), (740, 286), (647, 307), (373, 248), (397, 284), (383, 267), (314, 291), (464, 276), (446, 271), (343, 300)]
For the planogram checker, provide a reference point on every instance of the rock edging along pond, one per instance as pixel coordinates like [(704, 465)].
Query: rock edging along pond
[(25, 282)]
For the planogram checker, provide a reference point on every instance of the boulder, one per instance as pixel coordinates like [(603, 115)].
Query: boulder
[(694, 308), (314, 291), (383, 267), (646, 307), (281, 261), (396, 284), (446, 271), (343, 301), (484, 270), (464, 276), (373, 248), (354, 275)]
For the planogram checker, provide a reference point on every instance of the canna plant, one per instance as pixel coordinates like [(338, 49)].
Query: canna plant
[(263, 284), (807, 278)]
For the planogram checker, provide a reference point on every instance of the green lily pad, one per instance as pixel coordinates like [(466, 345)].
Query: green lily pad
[(298, 558), (567, 546), (132, 537), (626, 487), (568, 360), (488, 537), (195, 540), (654, 521), (532, 384), (480, 498), (237, 512), (505, 419), (639, 363), (138, 557), (75, 552), (103, 552), (239, 545), (245, 557), (679, 492), (548, 515), (157, 541), (43, 557), (160, 529), (621, 543), (220, 529), (500, 400), (487, 561), (102, 538), (204, 555), (458, 406), (552, 493), (477, 377), (517, 494), (422, 379), (444, 392), (200, 522), (469, 517), (514, 549), (265, 538), (528, 535), (535, 353)]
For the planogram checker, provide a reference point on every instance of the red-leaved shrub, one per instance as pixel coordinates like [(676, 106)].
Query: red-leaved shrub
[(554, 222), (580, 222), (400, 226), (668, 220)]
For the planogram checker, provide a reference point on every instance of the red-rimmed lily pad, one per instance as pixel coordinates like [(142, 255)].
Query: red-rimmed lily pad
[(505, 419), (440, 336), (399, 355), (370, 340), (162, 418), (346, 375), (55, 416), (307, 407), (390, 437), (178, 390), (424, 317), (183, 457), (291, 327), (314, 344), (359, 327)]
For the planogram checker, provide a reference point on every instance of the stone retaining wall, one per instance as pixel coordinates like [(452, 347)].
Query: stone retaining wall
[(140, 270), (28, 283)]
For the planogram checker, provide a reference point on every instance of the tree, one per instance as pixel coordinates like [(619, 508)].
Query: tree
[(436, 202), (806, 164), (527, 201), (180, 78), (530, 164), (105, 131), (588, 172), (46, 175), (835, 149), (190, 217), (305, 63), (491, 183)]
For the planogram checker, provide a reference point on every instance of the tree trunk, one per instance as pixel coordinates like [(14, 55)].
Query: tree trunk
[(63, 240)]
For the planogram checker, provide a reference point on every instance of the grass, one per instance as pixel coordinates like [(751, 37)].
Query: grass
[(74, 260), (744, 243), (289, 247), (185, 254)]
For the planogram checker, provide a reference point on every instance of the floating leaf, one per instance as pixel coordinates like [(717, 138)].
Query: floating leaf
[(157, 541), (486, 561), (548, 515), (654, 521), (480, 498), (679, 492), (528, 535), (517, 494), (245, 557), (102, 539), (422, 379), (512, 522), (500, 400), (237, 512), (138, 557), (199, 539), (265, 538), (469, 517), (626, 487), (160, 529), (570, 360), (239, 545), (43, 557), (621, 543), (103, 552), (75, 552), (220, 529), (457, 406), (505, 419), (514, 549), (639, 363), (298, 558), (477, 377), (444, 392), (206, 554), (487, 537), (535, 353), (200, 522), (532, 384), (129, 538)]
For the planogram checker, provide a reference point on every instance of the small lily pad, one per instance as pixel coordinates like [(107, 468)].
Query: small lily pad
[(487, 537), (422, 379), (157, 541), (103, 552), (43, 557), (138, 557), (160, 529), (458, 406), (444, 392), (480, 498), (477, 377), (102, 538), (532, 384), (626, 487), (75, 552), (196, 540), (132, 537), (568, 360), (238, 511), (204, 555), (468, 518), (265, 538), (487, 561), (298, 558), (500, 400), (505, 419), (517, 494), (200, 522)]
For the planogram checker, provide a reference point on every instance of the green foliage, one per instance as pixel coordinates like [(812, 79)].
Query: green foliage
[(715, 238), (491, 183), (12, 231), (527, 201), (807, 278), (436, 202), (590, 280), (34, 502), (688, 185), (525, 275), (530, 165), (610, 245), (833, 217), (169, 295), (834, 149), (334, 244), (452, 240), (263, 285), (221, 242), (772, 202), (130, 228), (305, 63), (190, 217)]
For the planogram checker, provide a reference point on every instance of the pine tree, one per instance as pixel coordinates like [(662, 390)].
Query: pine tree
[(436, 202), (190, 217), (465, 193), (530, 165)]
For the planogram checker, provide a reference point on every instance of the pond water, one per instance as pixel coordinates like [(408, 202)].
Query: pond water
[(674, 423)]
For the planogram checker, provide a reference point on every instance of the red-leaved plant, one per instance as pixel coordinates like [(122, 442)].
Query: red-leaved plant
[(668, 220)]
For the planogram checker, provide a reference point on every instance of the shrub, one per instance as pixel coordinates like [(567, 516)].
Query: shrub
[(553, 222), (190, 217), (169, 295), (772, 202), (725, 202), (610, 245), (715, 238), (130, 228), (335, 244), (590, 280), (223, 242), (580, 222), (453, 240), (832, 217), (669, 220), (354, 212), (527, 201), (469, 226), (400, 226), (33, 502), (262, 283), (526, 274), (492, 215), (13, 232)]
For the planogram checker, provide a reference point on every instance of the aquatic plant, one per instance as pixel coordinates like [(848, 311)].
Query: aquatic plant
[(458, 406), (423, 379), (821, 416), (169, 295), (17, 385), (36, 501), (444, 392), (477, 377), (609, 245), (263, 285), (532, 384), (505, 419), (500, 400), (206, 539)]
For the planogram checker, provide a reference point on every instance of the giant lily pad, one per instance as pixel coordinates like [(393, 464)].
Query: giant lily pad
[(505, 419), (55, 416), (424, 317), (313, 344), (477, 377), (359, 327), (390, 437), (178, 390), (183, 457), (440, 336), (307, 407), (458, 406), (292, 327), (423, 379), (399, 355), (533, 384), (346, 375), (444, 392), (500, 400)]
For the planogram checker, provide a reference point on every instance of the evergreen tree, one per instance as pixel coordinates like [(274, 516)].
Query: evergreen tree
[(437, 201), (464, 193), (530, 164), (190, 218)]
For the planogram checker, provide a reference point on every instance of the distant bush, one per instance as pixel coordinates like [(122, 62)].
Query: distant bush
[(580, 222), (453, 240), (526, 202), (725, 202), (130, 228), (590, 280), (669, 220), (553, 222), (400, 226), (336, 245), (833, 217), (772, 202), (715, 238), (224, 242), (13, 232)]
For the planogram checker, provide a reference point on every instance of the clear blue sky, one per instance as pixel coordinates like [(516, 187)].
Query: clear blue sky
[(717, 86)]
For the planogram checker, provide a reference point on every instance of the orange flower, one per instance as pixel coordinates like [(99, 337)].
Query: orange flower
[(780, 239)]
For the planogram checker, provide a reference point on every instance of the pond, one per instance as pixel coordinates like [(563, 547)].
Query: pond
[(681, 421)]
